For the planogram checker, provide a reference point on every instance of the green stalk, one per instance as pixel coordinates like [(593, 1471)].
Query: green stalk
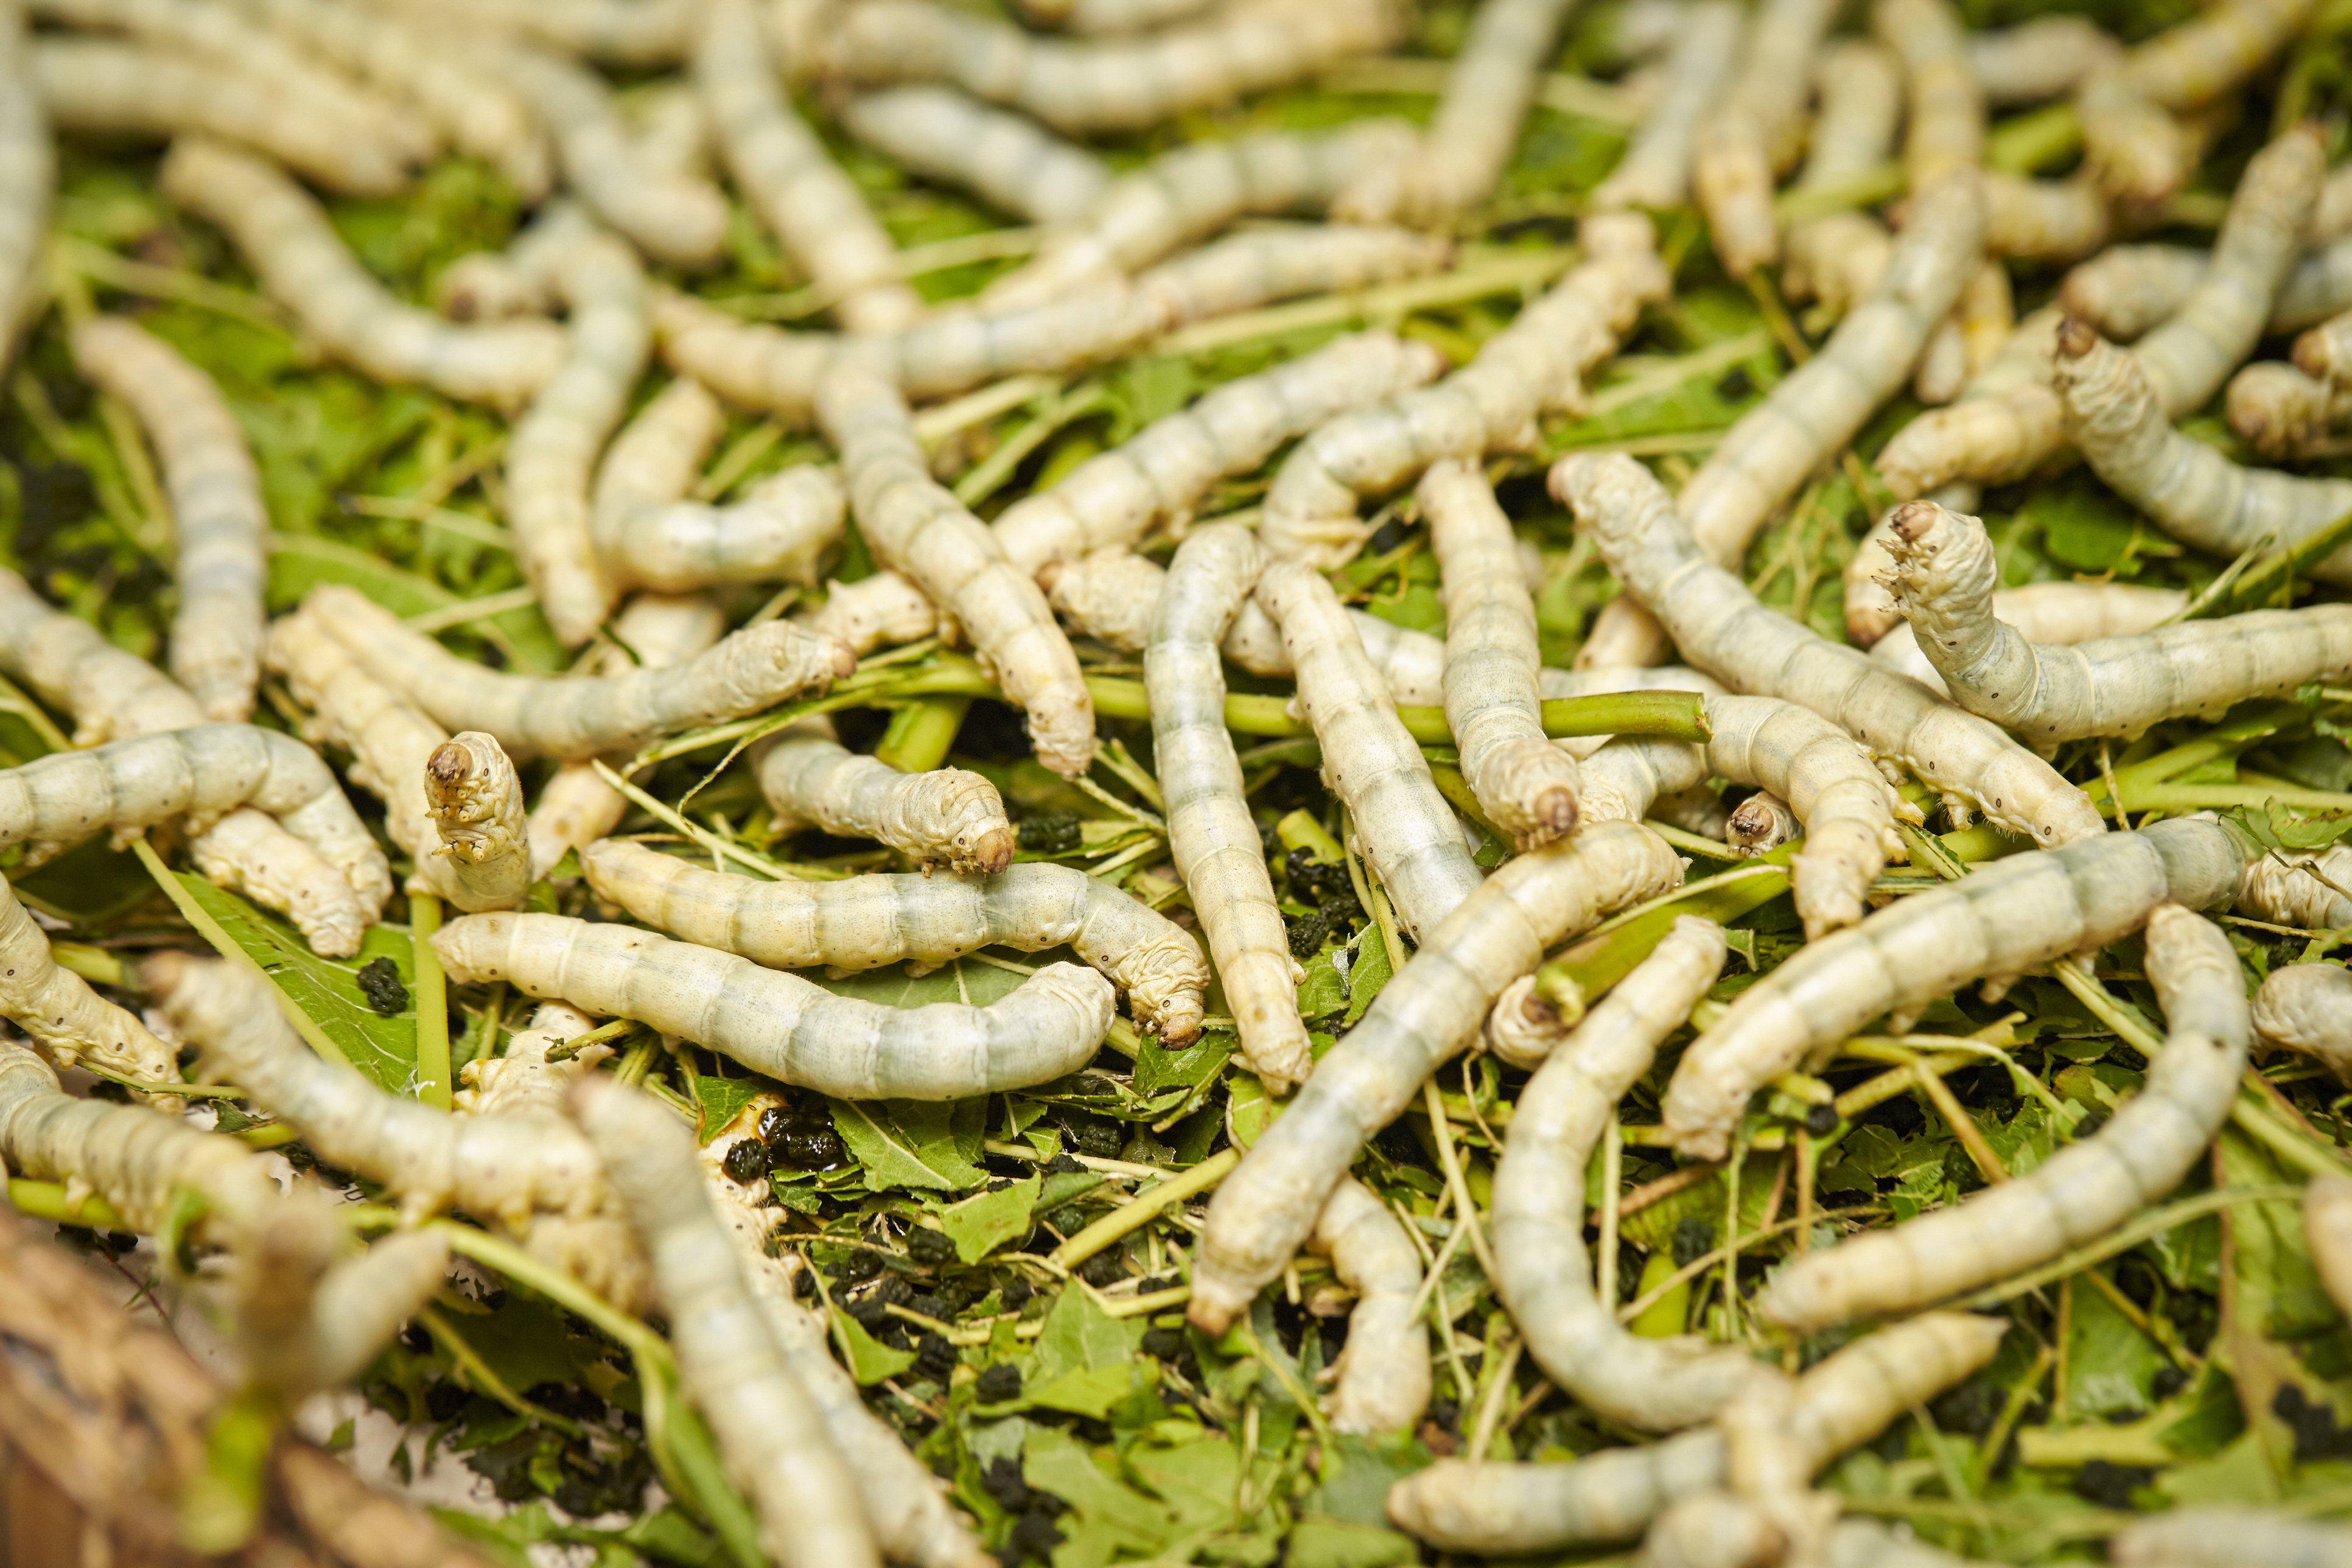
[(432, 1003), (921, 733), (47, 1199)]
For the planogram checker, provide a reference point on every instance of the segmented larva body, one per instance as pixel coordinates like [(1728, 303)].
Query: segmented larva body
[(1761, 824), (1469, 144), (946, 816), (618, 32), (1845, 1399), (1116, 84), (303, 264), (2326, 351), (1814, 410), (1192, 192), (305, 1321), (2327, 1225), (1092, 17), (1838, 259), (1715, 1529), (2307, 1008), (768, 1426), (2083, 1191), (1430, 1010), (2283, 412), (1944, 575), (1526, 786), (2132, 147), (2311, 892), (2214, 1535), (2043, 59), (916, 526), (29, 175), (475, 804), (521, 1080), (580, 715), (2119, 422), (1404, 829), (1655, 172), (1383, 1378), (1246, 270), (1946, 126), (1113, 500), (779, 530), (873, 612), (671, 214), (2065, 613), (1536, 363), (1719, 626), (108, 86), (2043, 220), (783, 1026), (2127, 289), (62, 1015), (1008, 161), (216, 507), (1539, 1215), (1756, 132), (1871, 612)]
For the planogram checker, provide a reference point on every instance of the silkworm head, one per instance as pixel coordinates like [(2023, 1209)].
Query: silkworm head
[(2076, 337)]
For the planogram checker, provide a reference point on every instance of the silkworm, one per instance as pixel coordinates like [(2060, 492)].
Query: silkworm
[(1655, 172), (1946, 125), (1761, 824), (1944, 575), (2311, 892), (2120, 423), (1538, 1220), (2144, 156), (2126, 289), (916, 526), (670, 215), (2032, 61), (946, 816), (303, 264), (217, 508), (791, 181), (1192, 192), (2214, 1535), (1755, 132), (873, 612), (1843, 1400), (1818, 408), (1427, 1012), (304, 1321), (1714, 1528), (1525, 785), (1469, 144), (1090, 17), (114, 694), (2327, 1220), (2043, 220), (1838, 259), (2307, 1008), (2080, 1193), (620, 32), (1009, 162), (28, 174), (1404, 829), (2283, 412), (780, 1024), (1382, 1373), (1718, 625), (521, 1080), (109, 86), (1111, 501), (580, 715), (1112, 84), (1246, 270), (1536, 363), (475, 803), (2044, 613)]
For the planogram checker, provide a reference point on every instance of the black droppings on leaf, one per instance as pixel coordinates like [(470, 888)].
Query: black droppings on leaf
[(1063, 1165), (1386, 537), (1821, 1120), (379, 981), (2168, 1382), (998, 1384), (1017, 1292), (2111, 1485), (2316, 1435), (934, 1358), (930, 1248), (1736, 385), (1693, 1240), (1308, 932), (746, 1160), (1052, 831), (1103, 1269), (1163, 1344), (856, 1267)]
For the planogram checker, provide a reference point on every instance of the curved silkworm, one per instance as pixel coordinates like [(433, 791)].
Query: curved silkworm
[(1655, 172), (475, 803), (2308, 1009), (1112, 499), (580, 715), (873, 612), (1534, 365), (2283, 412), (2213, 1535), (2063, 613), (217, 508), (303, 264), (1382, 1372), (670, 214), (1944, 125), (2327, 1225), (28, 174), (776, 533), (521, 1080), (946, 816), (916, 526), (2039, 59), (1258, 267), (2136, 148), (1761, 824), (1426, 1013), (1658, 1385), (2308, 891), (1755, 131), (2127, 289), (2080, 1193), (1719, 626), (1839, 257), (619, 32), (1008, 161), (1404, 829), (780, 1024), (1210, 836), (2043, 220), (1525, 785)]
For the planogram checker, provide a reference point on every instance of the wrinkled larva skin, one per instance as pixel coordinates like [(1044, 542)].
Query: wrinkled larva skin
[(776, 533), (947, 816), (2043, 220), (2084, 1189), (1655, 172), (1755, 131), (306, 1321), (1838, 259), (2307, 1008), (655, 457), (475, 803), (1430, 1010), (2136, 150), (2311, 892), (873, 612), (768, 1429), (2034, 62), (1093, 18), (2214, 1535), (1211, 837), (1258, 267), (28, 174), (615, 32), (304, 265), (1944, 128), (1384, 1377), (521, 1080), (2327, 1220), (1006, 160), (2063, 613), (1845, 1399), (217, 508), (2126, 289), (2283, 412)]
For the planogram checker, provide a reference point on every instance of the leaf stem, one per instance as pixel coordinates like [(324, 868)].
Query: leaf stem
[(1140, 1210), (432, 1003)]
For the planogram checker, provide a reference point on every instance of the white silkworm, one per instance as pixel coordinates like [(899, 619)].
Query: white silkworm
[(1871, 612), (621, 32), (1536, 363), (2132, 147), (305, 1321), (1714, 1528), (2127, 289), (1538, 1213), (1655, 172), (946, 816), (873, 612), (1719, 626), (2326, 351), (2307, 1008), (2327, 1224), (1944, 575), (1525, 785), (1761, 824), (1382, 1373), (1211, 835), (656, 456), (2309, 891), (216, 507), (671, 214), (1469, 144), (2118, 418), (475, 803), (1755, 131), (1111, 501), (1006, 160), (2080, 1193), (1246, 270), (2042, 58), (1116, 84), (580, 715), (521, 1080), (2214, 1535), (1844, 1400), (1815, 410), (778, 532), (1431, 1009), (2045, 613), (108, 86), (28, 176), (1838, 259), (2283, 412), (62, 1015), (1404, 829), (783, 1026), (1097, 16), (2043, 220), (791, 181), (863, 922), (304, 265), (1945, 127), (916, 526)]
